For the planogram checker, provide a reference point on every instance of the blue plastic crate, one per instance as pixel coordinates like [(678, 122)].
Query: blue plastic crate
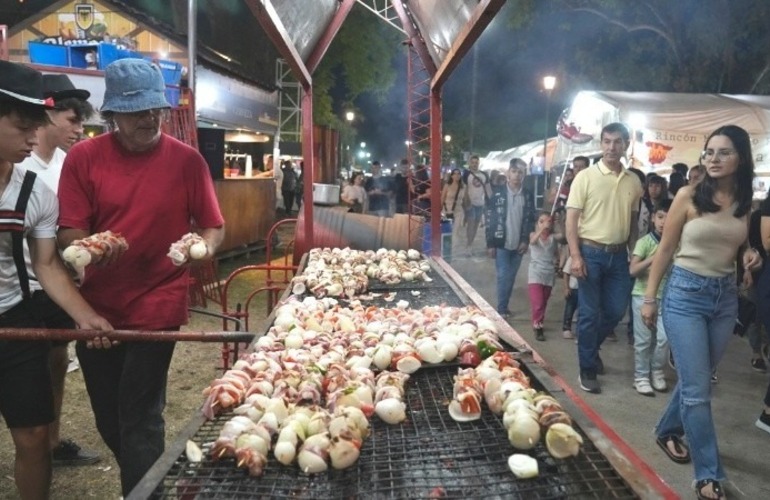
[(78, 54), (172, 96), (172, 71), (108, 53), (48, 54)]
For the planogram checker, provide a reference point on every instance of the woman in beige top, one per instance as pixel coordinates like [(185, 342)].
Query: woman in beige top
[(706, 227)]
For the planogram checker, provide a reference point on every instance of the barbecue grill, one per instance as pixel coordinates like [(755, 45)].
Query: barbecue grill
[(427, 456)]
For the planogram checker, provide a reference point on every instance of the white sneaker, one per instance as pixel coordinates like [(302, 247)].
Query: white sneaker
[(659, 381), (642, 386), (567, 334)]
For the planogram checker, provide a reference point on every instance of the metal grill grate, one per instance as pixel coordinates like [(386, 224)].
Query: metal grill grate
[(429, 454), (425, 297)]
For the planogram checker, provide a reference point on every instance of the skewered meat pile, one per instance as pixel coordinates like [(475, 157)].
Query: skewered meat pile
[(80, 253), (309, 387), (346, 273)]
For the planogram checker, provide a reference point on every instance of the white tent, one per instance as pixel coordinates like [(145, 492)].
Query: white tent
[(530, 152), (667, 128)]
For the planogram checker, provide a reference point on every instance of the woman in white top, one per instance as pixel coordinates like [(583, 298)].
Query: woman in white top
[(706, 228), (354, 194)]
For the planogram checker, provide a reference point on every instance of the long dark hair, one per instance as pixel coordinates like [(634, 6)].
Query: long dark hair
[(703, 197), (451, 181)]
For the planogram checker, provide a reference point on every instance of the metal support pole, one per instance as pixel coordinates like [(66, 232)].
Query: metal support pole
[(192, 41)]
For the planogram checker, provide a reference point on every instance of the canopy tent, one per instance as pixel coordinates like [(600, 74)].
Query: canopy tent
[(532, 152), (667, 128)]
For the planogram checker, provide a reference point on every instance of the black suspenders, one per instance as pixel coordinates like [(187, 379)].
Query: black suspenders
[(17, 233)]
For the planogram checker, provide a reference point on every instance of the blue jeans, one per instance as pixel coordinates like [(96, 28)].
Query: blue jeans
[(602, 301), (127, 388), (699, 315), (570, 306), (507, 264), (649, 348)]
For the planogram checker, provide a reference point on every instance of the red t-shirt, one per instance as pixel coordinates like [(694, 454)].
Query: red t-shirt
[(152, 199)]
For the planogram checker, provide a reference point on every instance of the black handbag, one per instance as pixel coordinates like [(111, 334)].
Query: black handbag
[(747, 314)]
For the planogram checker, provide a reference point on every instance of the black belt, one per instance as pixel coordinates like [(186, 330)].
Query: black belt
[(612, 248)]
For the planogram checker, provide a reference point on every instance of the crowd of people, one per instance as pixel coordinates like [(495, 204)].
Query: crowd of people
[(134, 180), (681, 251)]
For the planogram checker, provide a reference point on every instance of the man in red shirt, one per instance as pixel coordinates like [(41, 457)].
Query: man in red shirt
[(151, 188)]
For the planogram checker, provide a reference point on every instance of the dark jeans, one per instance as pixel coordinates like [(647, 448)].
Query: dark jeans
[(603, 300), (570, 306), (288, 200), (127, 388)]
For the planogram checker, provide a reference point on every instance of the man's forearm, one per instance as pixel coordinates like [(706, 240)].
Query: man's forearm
[(65, 236), (214, 237), (573, 240)]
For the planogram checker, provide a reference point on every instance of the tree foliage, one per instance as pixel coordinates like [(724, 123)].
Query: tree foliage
[(683, 46), (359, 61)]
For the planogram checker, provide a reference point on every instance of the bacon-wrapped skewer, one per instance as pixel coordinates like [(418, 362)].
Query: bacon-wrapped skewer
[(80, 253), (466, 404), (191, 246)]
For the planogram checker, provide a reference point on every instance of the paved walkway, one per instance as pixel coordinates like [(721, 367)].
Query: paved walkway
[(737, 397)]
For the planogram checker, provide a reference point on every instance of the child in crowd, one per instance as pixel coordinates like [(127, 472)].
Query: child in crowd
[(570, 299), (649, 345), (544, 256)]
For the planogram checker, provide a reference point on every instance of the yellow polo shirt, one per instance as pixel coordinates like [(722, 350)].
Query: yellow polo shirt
[(606, 202)]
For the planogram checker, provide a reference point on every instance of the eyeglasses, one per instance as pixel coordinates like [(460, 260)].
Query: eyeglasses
[(720, 155)]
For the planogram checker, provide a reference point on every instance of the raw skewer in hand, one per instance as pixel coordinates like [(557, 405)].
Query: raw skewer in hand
[(190, 247), (104, 247)]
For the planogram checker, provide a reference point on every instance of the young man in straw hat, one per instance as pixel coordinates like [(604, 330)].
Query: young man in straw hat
[(29, 210), (148, 186), (54, 139)]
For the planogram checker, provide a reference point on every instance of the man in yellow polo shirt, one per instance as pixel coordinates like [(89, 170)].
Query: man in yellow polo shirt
[(601, 225)]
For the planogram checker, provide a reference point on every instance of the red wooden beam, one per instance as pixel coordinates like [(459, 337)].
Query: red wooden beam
[(485, 11), (328, 35), (435, 171), (414, 37), (270, 21)]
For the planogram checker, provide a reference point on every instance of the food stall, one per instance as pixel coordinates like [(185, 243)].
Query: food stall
[(429, 451)]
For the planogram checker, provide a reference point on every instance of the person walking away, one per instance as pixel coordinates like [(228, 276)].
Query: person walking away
[(288, 185), (696, 174), (299, 192), (419, 187), (705, 232), (401, 187), (452, 196), (379, 190), (54, 139), (354, 195), (478, 189), (30, 210), (579, 163), (510, 219), (151, 188), (644, 220), (570, 299), (601, 225), (544, 257), (749, 323), (650, 344)]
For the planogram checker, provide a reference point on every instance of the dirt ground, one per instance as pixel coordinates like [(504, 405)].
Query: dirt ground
[(193, 367)]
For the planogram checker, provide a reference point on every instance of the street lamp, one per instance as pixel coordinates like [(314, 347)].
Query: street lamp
[(349, 116), (549, 82)]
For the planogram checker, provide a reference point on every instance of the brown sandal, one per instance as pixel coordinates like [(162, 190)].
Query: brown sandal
[(679, 446), (715, 486)]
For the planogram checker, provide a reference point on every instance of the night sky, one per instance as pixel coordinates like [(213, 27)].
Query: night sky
[(508, 96)]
